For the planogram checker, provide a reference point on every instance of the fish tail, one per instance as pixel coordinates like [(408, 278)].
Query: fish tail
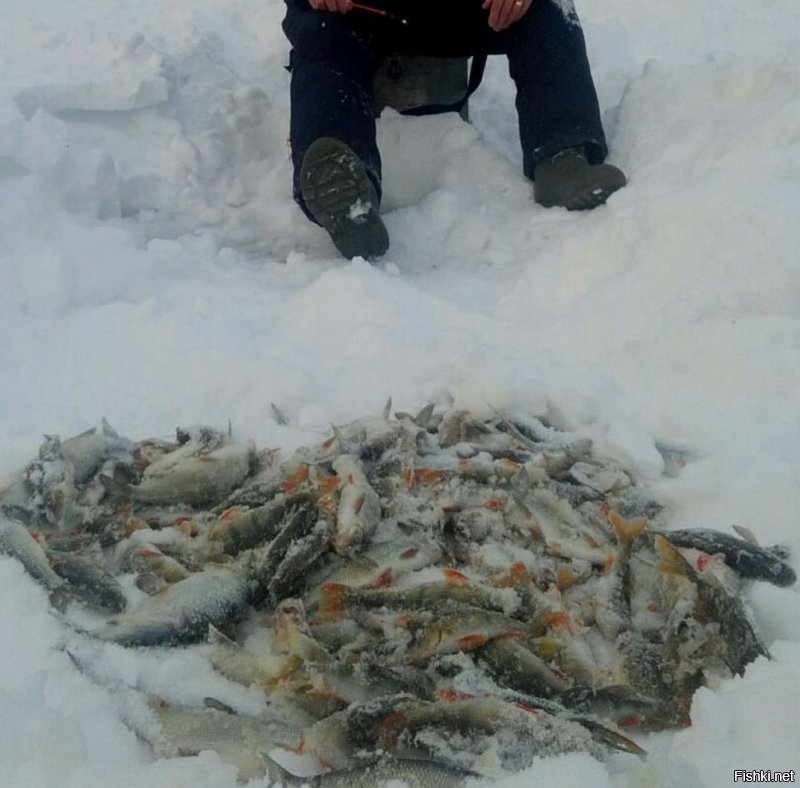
[(627, 531)]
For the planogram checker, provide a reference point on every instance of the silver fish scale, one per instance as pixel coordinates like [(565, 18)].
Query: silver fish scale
[(436, 588), (413, 773), (184, 611)]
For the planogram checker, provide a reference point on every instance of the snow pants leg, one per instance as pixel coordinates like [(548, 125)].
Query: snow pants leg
[(335, 56), (556, 99), (332, 64)]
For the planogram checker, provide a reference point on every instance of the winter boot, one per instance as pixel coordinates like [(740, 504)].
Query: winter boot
[(340, 195), (569, 181)]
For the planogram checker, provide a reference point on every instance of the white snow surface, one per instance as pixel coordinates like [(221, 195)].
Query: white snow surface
[(155, 271)]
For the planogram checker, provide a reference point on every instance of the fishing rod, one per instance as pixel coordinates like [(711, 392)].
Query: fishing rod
[(388, 15)]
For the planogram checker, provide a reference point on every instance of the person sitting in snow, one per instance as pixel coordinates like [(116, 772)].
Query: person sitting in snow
[(337, 47)]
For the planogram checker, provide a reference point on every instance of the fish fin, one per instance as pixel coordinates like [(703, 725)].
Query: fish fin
[(517, 704), (390, 727), (334, 600), (107, 429), (547, 647), (429, 476), (555, 618), (218, 705), (383, 579), (633, 720), (516, 576), (339, 438), (452, 694), (387, 409), (454, 576), (472, 641), (277, 774), (565, 578), (670, 560), (217, 638), (296, 478), (627, 531), (745, 533), (610, 737), (278, 415), (423, 418), (513, 430), (327, 485)]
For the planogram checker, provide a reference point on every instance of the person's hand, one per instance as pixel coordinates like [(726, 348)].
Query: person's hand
[(334, 6), (503, 13)]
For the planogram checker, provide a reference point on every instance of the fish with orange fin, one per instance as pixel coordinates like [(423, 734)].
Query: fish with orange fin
[(527, 702), (739, 642), (513, 662), (244, 665), (201, 478), (455, 590), (670, 561), (236, 531), (462, 631), (627, 531), (382, 565), (558, 524), (293, 634), (517, 576), (359, 509), (701, 622), (477, 586), (295, 478), (744, 556), (474, 721)]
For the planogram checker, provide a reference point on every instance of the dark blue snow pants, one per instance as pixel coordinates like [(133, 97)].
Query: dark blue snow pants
[(335, 56)]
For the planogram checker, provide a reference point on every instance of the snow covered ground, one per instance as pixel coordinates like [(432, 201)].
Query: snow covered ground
[(155, 271)]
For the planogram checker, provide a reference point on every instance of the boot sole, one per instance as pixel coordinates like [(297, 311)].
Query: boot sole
[(584, 202), (582, 190), (341, 196)]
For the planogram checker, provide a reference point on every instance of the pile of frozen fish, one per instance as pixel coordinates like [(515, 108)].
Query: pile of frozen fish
[(423, 597)]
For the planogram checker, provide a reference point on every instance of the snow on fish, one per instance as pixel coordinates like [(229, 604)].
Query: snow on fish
[(419, 596)]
